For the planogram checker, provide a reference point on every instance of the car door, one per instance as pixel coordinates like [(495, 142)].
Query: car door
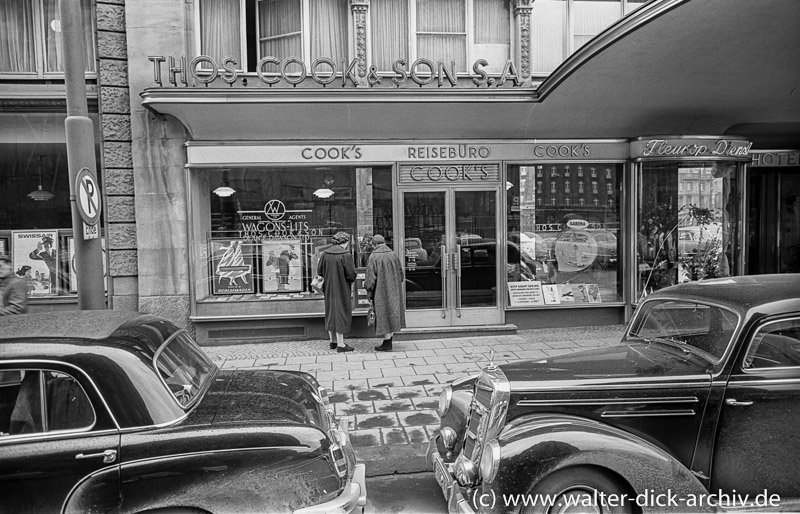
[(53, 435), (758, 436)]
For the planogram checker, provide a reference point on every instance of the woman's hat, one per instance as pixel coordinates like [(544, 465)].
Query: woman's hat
[(378, 239), (340, 237)]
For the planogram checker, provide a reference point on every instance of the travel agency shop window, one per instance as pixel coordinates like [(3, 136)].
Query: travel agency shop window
[(688, 209), (565, 228), (259, 232)]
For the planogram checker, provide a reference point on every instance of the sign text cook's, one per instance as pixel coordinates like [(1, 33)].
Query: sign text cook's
[(292, 71)]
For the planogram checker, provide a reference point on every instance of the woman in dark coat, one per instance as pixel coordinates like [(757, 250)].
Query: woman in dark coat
[(337, 267), (384, 285)]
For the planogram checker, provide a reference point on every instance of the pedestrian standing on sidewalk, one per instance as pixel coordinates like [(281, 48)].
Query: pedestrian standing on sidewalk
[(337, 267), (13, 291), (384, 283)]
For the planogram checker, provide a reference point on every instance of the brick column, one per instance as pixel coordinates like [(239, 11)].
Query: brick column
[(117, 161)]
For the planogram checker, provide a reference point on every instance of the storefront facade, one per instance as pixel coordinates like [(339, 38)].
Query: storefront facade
[(506, 213)]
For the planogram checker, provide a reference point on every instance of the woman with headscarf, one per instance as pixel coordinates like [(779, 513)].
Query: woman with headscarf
[(337, 267), (384, 282)]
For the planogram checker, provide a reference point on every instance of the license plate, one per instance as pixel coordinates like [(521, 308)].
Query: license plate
[(443, 478)]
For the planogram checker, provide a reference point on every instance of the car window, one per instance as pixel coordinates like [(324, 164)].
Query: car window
[(183, 367), (708, 328), (42, 401), (775, 345)]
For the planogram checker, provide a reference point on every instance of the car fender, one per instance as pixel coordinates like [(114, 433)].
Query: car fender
[(534, 446), (242, 480)]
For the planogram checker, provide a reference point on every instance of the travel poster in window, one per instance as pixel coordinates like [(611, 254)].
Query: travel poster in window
[(35, 260), (231, 267), (282, 266)]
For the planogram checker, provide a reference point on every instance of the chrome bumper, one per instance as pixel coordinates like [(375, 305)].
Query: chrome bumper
[(354, 496), (456, 502)]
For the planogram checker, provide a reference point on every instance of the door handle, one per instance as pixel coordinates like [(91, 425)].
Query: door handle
[(109, 456), (445, 260), (736, 403)]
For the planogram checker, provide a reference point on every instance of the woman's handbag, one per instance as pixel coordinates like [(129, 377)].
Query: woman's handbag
[(371, 316), (317, 282)]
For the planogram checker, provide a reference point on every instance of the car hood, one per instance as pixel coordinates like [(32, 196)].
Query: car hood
[(260, 396), (622, 363)]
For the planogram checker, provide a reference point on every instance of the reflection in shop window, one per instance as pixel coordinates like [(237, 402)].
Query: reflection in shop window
[(681, 236), (265, 238), (35, 217), (568, 251)]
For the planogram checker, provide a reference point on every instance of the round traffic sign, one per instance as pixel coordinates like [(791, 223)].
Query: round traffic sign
[(87, 194)]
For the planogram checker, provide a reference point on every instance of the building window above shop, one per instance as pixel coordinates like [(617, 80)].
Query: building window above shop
[(30, 42), (248, 30), (447, 30), (560, 27), (570, 247)]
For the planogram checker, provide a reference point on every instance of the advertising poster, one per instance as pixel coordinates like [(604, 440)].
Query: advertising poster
[(35, 259), (4, 246), (551, 294), (283, 266), (525, 293), (73, 275), (319, 245), (231, 267)]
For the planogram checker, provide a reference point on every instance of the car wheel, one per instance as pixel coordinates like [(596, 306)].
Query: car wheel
[(580, 490)]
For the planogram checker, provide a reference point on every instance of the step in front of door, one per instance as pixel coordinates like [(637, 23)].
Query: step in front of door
[(412, 334)]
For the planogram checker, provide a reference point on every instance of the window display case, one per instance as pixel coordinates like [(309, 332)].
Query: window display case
[(688, 209), (260, 232), (564, 234)]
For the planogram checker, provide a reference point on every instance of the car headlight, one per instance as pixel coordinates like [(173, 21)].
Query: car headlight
[(445, 397), (449, 437), (490, 461)]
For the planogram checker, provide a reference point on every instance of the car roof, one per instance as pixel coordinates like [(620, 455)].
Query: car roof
[(769, 293), (91, 325)]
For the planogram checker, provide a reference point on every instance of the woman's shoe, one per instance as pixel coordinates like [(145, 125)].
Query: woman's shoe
[(345, 348), (334, 346), (386, 346)]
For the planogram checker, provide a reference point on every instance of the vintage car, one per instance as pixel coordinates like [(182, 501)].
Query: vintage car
[(697, 409), (105, 411)]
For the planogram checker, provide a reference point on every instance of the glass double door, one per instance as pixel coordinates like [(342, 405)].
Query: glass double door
[(453, 257)]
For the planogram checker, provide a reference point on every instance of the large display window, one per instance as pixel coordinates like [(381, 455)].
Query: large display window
[(687, 220), (35, 218), (564, 234), (265, 227)]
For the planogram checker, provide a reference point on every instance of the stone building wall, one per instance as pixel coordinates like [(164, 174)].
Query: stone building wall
[(117, 162)]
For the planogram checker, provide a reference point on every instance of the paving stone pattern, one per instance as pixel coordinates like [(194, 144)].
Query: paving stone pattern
[(390, 398)]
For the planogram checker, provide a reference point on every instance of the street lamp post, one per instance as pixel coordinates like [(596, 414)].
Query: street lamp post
[(84, 193)]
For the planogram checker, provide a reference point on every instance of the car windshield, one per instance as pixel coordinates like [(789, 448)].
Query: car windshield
[(699, 327), (184, 368)]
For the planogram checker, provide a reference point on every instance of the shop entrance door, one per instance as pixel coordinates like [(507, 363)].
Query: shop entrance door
[(774, 221), (453, 257)]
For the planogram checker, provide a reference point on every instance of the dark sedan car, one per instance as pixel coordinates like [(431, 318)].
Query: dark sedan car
[(105, 411), (697, 409)]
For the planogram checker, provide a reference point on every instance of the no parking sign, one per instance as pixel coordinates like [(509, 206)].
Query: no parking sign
[(87, 193)]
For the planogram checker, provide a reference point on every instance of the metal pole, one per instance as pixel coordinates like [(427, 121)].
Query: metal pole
[(80, 154)]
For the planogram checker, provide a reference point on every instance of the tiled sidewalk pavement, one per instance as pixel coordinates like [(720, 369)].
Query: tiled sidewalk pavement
[(390, 399)]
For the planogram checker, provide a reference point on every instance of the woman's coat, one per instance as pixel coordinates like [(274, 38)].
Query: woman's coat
[(339, 271), (384, 285)]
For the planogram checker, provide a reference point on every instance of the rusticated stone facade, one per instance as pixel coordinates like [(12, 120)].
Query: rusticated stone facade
[(117, 160)]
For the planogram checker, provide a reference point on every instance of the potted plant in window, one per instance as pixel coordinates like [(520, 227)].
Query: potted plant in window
[(703, 259)]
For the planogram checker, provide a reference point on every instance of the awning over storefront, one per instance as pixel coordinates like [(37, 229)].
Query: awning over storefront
[(672, 67)]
